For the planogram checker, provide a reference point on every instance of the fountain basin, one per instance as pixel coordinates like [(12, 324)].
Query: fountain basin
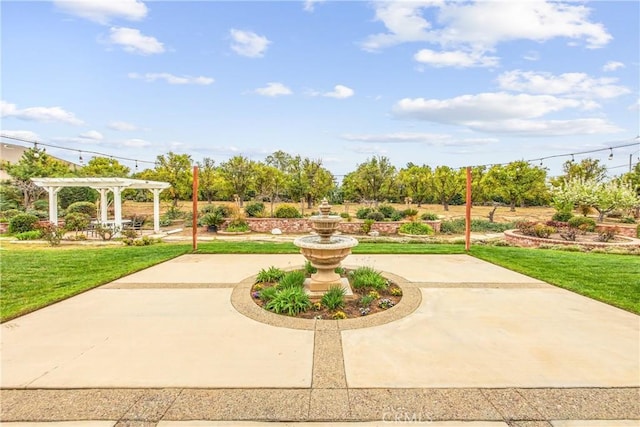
[(325, 257), (325, 226)]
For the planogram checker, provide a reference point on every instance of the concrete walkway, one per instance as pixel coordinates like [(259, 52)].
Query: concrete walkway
[(177, 345)]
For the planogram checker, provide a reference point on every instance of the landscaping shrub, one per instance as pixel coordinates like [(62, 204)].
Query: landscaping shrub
[(410, 213), (386, 210), (628, 220), (363, 212), (607, 234), (5, 216), (366, 300), (292, 279), (267, 294), (76, 221), (535, 229), (416, 228), (366, 225), (397, 216), (562, 216), (334, 298), (272, 274), (29, 235), (376, 216), (39, 214), (290, 301), (429, 216), (51, 233), (22, 222), (483, 225), (345, 215), (41, 205), (582, 223), (454, 226), (254, 210), (86, 208), (209, 208), (287, 211), (365, 278), (238, 225)]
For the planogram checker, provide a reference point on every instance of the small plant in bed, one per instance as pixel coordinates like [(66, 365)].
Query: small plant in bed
[(283, 293)]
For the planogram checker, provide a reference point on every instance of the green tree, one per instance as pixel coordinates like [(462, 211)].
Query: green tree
[(104, 167), (35, 163), (176, 169), (373, 180), (587, 170), (516, 183), (239, 176), (416, 182), (447, 183), (633, 179), (318, 181), (280, 160), (208, 184), (604, 197), (269, 183)]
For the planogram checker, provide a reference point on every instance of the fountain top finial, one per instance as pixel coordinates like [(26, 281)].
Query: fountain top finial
[(324, 207)]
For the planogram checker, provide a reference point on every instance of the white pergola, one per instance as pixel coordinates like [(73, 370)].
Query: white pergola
[(103, 185)]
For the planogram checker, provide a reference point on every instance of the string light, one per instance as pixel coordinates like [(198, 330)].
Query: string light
[(611, 155), (80, 158)]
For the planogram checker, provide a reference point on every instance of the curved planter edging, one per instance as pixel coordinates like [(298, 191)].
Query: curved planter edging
[(530, 241)]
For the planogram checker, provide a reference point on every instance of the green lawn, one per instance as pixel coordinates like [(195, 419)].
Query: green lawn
[(614, 279), (35, 277)]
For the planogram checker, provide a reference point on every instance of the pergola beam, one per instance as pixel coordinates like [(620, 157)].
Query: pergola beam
[(115, 185)]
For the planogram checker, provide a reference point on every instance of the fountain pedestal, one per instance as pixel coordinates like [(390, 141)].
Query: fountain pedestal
[(325, 251)]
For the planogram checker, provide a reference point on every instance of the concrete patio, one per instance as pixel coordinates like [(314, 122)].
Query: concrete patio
[(181, 344)]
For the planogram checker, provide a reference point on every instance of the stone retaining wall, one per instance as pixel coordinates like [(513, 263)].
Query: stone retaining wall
[(303, 225), (533, 242)]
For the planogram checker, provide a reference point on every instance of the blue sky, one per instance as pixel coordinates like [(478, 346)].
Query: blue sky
[(430, 82)]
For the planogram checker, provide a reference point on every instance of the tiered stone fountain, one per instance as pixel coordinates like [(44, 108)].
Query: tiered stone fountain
[(325, 251)]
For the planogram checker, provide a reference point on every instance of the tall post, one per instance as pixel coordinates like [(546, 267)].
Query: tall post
[(194, 227), (467, 228), (156, 209), (104, 203), (117, 209), (53, 204)]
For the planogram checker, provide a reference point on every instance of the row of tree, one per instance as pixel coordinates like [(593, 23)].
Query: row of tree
[(284, 177)]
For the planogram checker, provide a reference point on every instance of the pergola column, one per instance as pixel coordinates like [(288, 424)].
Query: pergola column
[(117, 209), (103, 204), (53, 204), (156, 209)]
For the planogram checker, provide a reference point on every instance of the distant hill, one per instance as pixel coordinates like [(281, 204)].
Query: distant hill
[(12, 153)]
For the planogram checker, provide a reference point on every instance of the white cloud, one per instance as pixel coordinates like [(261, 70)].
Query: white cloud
[(532, 55), (92, 134), (368, 149), (570, 84), (133, 41), (504, 112), (122, 126), (102, 11), (248, 43), (432, 139), (340, 92), (136, 143), (273, 89), (612, 66), (172, 79), (483, 106), (634, 106), (398, 137), (22, 134), (309, 5), (587, 126), (478, 27), (456, 58), (39, 114)]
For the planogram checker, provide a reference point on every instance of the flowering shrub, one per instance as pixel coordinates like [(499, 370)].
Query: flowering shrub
[(385, 303)]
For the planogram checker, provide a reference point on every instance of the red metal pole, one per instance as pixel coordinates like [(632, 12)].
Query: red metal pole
[(194, 226), (467, 231)]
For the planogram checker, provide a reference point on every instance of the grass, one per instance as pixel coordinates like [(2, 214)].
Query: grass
[(35, 277), (612, 279)]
